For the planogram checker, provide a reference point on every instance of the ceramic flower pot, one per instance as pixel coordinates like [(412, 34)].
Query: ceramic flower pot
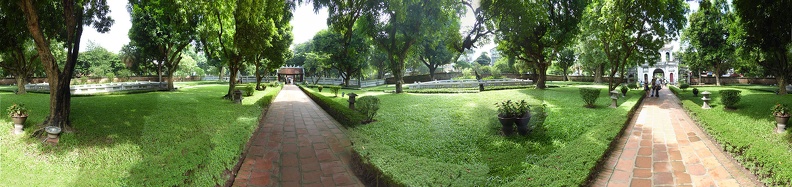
[(19, 119), (781, 122), (507, 125), (522, 124)]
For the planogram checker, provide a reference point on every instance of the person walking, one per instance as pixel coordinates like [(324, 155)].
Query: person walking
[(656, 89)]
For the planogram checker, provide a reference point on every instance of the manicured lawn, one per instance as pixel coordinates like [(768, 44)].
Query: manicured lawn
[(454, 139), (747, 132), (187, 137)]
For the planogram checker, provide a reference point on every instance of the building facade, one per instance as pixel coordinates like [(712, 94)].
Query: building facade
[(666, 68)]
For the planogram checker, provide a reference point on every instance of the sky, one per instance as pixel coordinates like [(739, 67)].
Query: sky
[(306, 23)]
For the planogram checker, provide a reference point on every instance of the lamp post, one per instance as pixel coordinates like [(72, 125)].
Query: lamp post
[(614, 96), (706, 100)]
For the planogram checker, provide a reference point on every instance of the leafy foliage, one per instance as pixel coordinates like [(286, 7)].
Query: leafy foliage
[(334, 89), (17, 110), (780, 110), (708, 35), (368, 106), (730, 98), (766, 36), (589, 96), (684, 86), (340, 113)]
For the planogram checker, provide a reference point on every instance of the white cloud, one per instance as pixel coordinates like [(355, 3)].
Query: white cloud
[(117, 36)]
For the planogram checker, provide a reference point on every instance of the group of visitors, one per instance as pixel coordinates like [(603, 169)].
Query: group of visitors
[(654, 86)]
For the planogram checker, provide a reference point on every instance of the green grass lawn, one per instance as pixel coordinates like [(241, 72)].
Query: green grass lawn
[(187, 137), (748, 132), (454, 139)]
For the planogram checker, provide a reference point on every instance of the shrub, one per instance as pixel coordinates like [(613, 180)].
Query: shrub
[(730, 98), (320, 87), (110, 77), (780, 110), (334, 89), (440, 91), (17, 110), (84, 79), (589, 96), (684, 86), (632, 86), (624, 89), (249, 89), (368, 106)]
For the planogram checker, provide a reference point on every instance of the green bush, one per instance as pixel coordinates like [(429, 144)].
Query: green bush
[(320, 87), (110, 77), (632, 86), (368, 106), (334, 89), (340, 113), (249, 89), (684, 86), (730, 98), (84, 79), (440, 91), (624, 89), (589, 96)]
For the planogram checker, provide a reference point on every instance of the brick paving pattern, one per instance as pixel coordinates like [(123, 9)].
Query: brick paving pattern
[(299, 144), (662, 146)]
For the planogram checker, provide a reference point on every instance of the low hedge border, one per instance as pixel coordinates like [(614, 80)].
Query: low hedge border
[(264, 103), (756, 164), (341, 113), (614, 143)]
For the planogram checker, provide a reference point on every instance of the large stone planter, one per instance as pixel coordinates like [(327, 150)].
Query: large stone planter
[(19, 123), (781, 122), (507, 125), (522, 124)]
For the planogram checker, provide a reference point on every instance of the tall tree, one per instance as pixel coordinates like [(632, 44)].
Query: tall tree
[(483, 59), (17, 53), (632, 32), (396, 26), (163, 29), (534, 31), (708, 36), (591, 56), (768, 34), (565, 59), (62, 21), (348, 61), (275, 55), (438, 50)]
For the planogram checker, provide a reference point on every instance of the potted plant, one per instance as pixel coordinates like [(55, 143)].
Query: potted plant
[(522, 114), (695, 92), (18, 114), (506, 116), (781, 114)]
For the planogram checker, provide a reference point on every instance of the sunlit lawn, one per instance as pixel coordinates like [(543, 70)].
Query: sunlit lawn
[(454, 139), (182, 138)]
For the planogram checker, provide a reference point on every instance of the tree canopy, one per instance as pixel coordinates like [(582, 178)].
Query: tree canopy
[(767, 36)]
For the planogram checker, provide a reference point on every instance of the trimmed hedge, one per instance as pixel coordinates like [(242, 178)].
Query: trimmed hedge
[(589, 96), (341, 113), (730, 98)]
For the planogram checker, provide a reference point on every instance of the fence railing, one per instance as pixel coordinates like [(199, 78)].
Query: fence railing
[(352, 82), (103, 88), (245, 79), (468, 83)]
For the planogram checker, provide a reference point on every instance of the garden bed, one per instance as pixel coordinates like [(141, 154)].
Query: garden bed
[(454, 139), (747, 133), (188, 137)]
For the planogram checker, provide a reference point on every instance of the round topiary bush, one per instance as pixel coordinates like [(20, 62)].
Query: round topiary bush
[(730, 98), (368, 106), (589, 96), (684, 86)]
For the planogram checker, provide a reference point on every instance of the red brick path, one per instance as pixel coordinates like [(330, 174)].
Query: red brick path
[(299, 144), (662, 146)]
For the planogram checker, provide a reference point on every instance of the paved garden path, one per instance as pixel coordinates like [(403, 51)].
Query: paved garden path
[(662, 146), (298, 144)]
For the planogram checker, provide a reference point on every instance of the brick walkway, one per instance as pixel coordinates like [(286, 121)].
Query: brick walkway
[(662, 146), (298, 144)]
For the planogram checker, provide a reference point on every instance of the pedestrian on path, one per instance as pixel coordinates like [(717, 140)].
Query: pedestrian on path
[(657, 84)]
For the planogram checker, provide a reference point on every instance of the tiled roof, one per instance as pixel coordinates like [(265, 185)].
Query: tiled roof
[(290, 71)]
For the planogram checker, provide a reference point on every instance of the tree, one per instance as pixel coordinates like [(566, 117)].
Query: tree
[(438, 51), (163, 29), (768, 34), (97, 61), (565, 59), (534, 31), (275, 55), (396, 26), (348, 61), (18, 56), (708, 37), (632, 32), (233, 31), (591, 56), (63, 21), (483, 59)]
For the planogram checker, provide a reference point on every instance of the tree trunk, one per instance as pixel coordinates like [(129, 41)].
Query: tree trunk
[(220, 74), (233, 66), (20, 85), (598, 72), (432, 72), (258, 76), (717, 75), (781, 84), (566, 76), (159, 72), (170, 80), (541, 76)]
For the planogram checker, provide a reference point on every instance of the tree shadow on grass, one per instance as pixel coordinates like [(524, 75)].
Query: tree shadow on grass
[(154, 139)]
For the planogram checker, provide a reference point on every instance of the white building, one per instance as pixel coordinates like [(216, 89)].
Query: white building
[(667, 68)]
